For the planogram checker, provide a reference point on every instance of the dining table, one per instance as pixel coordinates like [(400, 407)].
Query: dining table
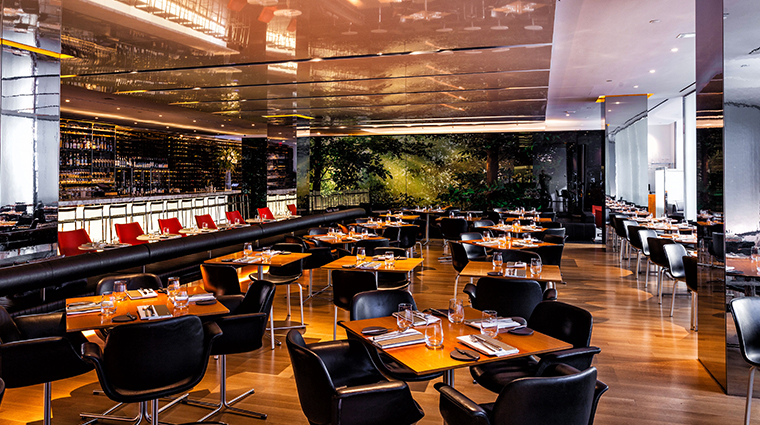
[(341, 239), (101, 246), (152, 237), (549, 274), (256, 261), (423, 360), (402, 217), (192, 231), (509, 243)]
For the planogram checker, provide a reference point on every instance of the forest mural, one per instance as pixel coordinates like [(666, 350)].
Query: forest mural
[(545, 170)]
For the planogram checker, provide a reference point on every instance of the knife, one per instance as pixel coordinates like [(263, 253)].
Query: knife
[(153, 311), (485, 343), (147, 311)]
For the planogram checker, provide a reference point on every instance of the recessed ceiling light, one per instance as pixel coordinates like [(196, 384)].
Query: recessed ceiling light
[(222, 125), (160, 116), (444, 29), (635, 87), (654, 21), (193, 120), (118, 109), (196, 88), (567, 115), (96, 117), (135, 122), (609, 110), (652, 71), (686, 35), (675, 49), (473, 52), (617, 103), (167, 126), (501, 50), (533, 26)]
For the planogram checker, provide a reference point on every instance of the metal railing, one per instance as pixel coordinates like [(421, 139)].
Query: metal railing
[(319, 201), (278, 204)]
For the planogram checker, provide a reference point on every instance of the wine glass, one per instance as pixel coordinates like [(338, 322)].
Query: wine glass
[(107, 304), (181, 297), (247, 249), (166, 230), (266, 255), (488, 324), (486, 236), (390, 260), (456, 310), (497, 260), (404, 319), (360, 255), (205, 226)]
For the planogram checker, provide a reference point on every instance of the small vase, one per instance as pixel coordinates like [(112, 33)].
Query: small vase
[(228, 180)]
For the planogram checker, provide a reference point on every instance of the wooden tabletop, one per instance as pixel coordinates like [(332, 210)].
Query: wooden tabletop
[(540, 219), (481, 269), (382, 225), (510, 243), (511, 229), (741, 267), (474, 218), (401, 266), (423, 360), (276, 261), (156, 238), (87, 321)]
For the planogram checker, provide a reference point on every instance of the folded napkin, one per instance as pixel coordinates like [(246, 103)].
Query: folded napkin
[(420, 318), (201, 297), (502, 322), (489, 347), (82, 308), (398, 339), (138, 294), (372, 265), (515, 264)]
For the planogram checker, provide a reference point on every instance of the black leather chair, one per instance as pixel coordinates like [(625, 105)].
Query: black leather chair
[(285, 276), (557, 231), (407, 239), (644, 236), (459, 260), (691, 279), (508, 298), (134, 281), (517, 255), (372, 304), (746, 314), (558, 320), (129, 370), (717, 247), (36, 349), (220, 279), (560, 396), (658, 257), (552, 225), (318, 258), (392, 280), (242, 332), (392, 234), (479, 224), (675, 253), (474, 252), (626, 242), (550, 254), (337, 383), (370, 245), (451, 228), (634, 239), (549, 238), (2, 390), (346, 284), (314, 231)]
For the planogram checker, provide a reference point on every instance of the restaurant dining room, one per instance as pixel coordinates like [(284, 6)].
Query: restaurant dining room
[(379, 212)]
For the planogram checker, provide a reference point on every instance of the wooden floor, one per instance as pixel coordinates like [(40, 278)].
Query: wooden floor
[(648, 359)]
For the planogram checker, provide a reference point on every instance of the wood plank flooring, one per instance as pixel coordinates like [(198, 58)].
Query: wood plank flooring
[(648, 359)]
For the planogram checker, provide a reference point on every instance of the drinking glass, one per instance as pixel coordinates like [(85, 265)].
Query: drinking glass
[(456, 310), (360, 255), (205, 226), (107, 304), (497, 260), (172, 287), (390, 260), (266, 255), (237, 221), (434, 335), (120, 290), (181, 298), (365, 233), (486, 237), (535, 266), (247, 249), (488, 325), (404, 319)]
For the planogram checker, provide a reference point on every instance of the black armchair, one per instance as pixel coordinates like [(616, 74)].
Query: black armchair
[(36, 349), (516, 298), (746, 312), (220, 280), (130, 372), (562, 395), (474, 252), (134, 281), (392, 280), (550, 254), (558, 320), (346, 284), (337, 383)]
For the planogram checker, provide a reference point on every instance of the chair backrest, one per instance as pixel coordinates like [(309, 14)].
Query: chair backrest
[(392, 233), (370, 245), (620, 226), (549, 238), (293, 209), (317, 231), (690, 271), (482, 223), (234, 217), (293, 269), (407, 236), (550, 254), (474, 252), (459, 257), (517, 255), (563, 321), (128, 233), (172, 224), (551, 225), (372, 304), (549, 214), (644, 236), (674, 253), (69, 242), (451, 228), (297, 240), (220, 279), (397, 252), (634, 237), (718, 246), (265, 213), (134, 281), (513, 298), (470, 236), (244, 328), (657, 252), (347, 283), (626, 225), (571, 394), (133, 347), (200, 220), (258, 298), (746, 314)]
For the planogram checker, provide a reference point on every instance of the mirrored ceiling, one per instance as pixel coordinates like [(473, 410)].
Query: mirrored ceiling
[(347, 63)]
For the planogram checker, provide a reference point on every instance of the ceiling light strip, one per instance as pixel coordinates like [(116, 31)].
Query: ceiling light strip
[(33, 49)]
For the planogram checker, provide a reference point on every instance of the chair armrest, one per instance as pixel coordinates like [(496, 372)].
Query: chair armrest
[(34, 361), (456, 408), (210, 332), (92, 352), (579, 358), (471, 290), (41, 325), (241, 333), (353, 404)]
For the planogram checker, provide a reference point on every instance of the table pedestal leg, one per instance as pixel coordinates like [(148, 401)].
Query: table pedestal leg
[(427, 230), (448, 377)]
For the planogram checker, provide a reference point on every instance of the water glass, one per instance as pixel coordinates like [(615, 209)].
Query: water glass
[(266, 255), (181, 297), (497, 260), (165, 230), (247, 249), (360, 255), (365, 233), (456, 310), (489, 325), (390, 260), (205, 225), (535, 266), (486, 237), (107, 304), (172, 287), (120, 290), (434, 335), (405, 318)]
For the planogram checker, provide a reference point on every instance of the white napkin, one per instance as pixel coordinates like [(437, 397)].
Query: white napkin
[(487, 350), (201, 297)]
